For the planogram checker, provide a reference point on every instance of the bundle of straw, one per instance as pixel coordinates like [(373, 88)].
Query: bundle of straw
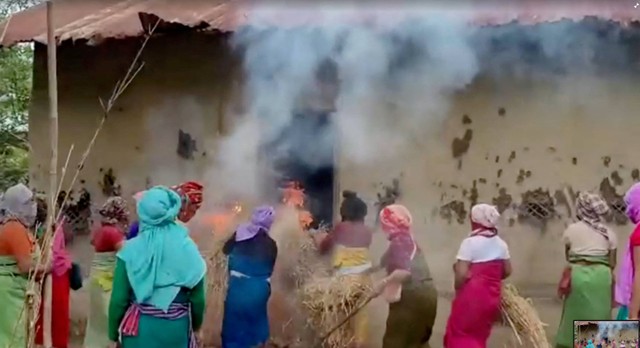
[(523, 318), (328, 300), (217, 282)]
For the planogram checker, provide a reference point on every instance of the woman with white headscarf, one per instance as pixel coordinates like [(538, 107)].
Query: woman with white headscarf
[(17, 215), (483, 261)]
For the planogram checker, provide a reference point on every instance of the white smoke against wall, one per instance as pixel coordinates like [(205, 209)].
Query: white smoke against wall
[(396, 72)]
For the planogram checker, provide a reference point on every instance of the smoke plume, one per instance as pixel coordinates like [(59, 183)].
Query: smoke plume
[(388, 76)]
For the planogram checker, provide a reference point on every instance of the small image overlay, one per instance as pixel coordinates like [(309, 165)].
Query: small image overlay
[(606, 334)]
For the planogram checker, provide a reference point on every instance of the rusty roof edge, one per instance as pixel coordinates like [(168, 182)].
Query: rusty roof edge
[(76, 33)]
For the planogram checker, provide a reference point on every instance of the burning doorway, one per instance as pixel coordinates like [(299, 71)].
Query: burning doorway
[(304, 153)]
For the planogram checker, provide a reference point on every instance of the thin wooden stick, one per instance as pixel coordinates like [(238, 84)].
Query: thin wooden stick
[(346, 319), (4, 30)]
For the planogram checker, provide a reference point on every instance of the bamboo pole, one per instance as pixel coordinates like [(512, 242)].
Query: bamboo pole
[(52, 66)]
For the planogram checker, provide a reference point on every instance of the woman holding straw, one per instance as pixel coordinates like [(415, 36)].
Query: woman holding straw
[(349, 244), (158, 296), (106, 240), (17, 247), (627, 290), (587, 283), (252, 256), (408, 286), (483, 261)]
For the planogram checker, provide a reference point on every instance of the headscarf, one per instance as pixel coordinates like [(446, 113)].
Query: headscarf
[(632, 200), (163, 258), (261, 219), (191, 196), (18, 203), (395, 219), (352, 208), (484, 220), (115, 212), (590, 208), (590, 344)]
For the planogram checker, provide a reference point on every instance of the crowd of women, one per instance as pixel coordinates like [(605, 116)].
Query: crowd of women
[(147, 278)]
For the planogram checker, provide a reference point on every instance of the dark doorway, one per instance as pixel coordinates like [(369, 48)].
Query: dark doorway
[(304, 153)]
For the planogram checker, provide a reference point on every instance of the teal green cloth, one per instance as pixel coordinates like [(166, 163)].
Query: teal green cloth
[(590, 296), (623, 313), (163, 259), (154, 332)]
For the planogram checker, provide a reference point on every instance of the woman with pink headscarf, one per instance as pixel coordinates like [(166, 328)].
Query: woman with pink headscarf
[(408, 286), (483, 261), (627, 288)]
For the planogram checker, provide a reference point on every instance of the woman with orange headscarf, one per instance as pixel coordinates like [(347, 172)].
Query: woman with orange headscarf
[(408, 286), (482, 263)]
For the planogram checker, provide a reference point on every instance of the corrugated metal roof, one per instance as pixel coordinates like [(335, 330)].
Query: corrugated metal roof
[(94, 20)]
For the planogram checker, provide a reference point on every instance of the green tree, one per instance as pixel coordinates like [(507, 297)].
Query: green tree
[(15, 91)]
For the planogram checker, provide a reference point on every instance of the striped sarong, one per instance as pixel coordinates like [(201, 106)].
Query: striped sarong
[(131, 320)]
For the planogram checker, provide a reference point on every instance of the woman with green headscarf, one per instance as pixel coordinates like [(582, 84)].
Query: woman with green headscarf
[(17, 246), (158, 296)]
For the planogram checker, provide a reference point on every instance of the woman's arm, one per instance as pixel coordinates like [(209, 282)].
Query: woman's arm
[(634, 305), (507, 269), (198, 305), (120, 296), (461, 272)]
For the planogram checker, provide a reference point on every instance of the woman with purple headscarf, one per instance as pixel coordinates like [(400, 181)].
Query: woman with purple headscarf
[(627, 291), (252, 256)]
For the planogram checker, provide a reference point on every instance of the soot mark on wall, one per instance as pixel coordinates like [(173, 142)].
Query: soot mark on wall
[(186, 145), (453, 209), (460, 146), (389, 195), (108, 184), (615, 201)]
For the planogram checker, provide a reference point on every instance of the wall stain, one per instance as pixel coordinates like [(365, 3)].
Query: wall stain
[(503, 200), (460, 146), (615, 201), (109, 185), (574, 161), (186, 145), (502, 111), (453, 209), (512, 156), (482, 180), (499, 174), (606, 160), (552, 149), (497, 159), (616, 178), (473, 195), (466, 119), (635, 174), (389, 195)]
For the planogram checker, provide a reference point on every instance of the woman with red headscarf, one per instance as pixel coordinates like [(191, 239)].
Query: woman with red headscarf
[(408, 286), (482, 263), (191, 194)]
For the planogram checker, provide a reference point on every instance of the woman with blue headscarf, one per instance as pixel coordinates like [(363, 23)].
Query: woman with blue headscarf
[(252, 256), (158, 296)]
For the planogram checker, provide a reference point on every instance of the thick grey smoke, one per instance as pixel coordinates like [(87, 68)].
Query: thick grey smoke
[(389, 76)]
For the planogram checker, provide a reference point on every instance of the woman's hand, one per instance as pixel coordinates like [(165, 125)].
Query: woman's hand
[(380, 286)]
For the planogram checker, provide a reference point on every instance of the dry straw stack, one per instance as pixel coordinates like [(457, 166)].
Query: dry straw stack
[(523, 318), (326, 299)]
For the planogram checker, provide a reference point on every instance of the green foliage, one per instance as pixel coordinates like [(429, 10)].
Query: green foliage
[(15, 91)]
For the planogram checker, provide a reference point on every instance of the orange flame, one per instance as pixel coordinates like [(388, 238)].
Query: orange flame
[(294, 196), (223, 220)]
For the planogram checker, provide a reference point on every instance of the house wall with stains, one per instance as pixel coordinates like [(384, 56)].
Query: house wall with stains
[(511, 145), (499, 143)]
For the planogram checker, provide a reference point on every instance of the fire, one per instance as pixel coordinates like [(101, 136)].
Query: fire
[(293, 196), (223, 220)]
